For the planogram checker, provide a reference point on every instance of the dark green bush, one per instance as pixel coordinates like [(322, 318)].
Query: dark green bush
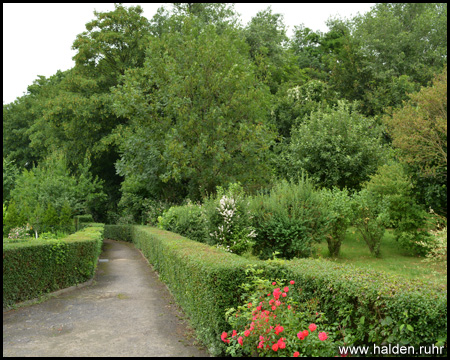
[(35, 267), (186, 220), (80, 219), (289, 220)]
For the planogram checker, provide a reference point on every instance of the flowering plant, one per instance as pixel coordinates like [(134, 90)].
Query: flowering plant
[(21, 232), (271, 323), (228, 220)]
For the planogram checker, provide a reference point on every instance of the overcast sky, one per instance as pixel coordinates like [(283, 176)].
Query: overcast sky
[(37, 38)]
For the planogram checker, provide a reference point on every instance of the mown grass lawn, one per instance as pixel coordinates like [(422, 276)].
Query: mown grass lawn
[(393, 258)]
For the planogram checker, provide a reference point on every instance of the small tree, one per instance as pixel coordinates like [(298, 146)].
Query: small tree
[(339, 217)]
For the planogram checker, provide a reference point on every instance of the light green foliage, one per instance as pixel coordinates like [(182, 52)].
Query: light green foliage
[(10, 172), (371, 217), (288, 220), (202, 110), (392, 185), (437, 246), (47, 195), (187, 220), (228, 219), (339, 215), (336, 146)]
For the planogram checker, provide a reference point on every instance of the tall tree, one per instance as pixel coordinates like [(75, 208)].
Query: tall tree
[(202, 108)]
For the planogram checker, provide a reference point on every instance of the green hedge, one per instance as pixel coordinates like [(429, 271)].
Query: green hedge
[(36, 267), (78, 220), (203, 280), (377, 308), (118, 232)]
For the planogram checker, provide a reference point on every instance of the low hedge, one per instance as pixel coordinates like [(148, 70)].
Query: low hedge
[(376, 307), (118, 232), (36, 267), (78, 220), (204, 280), (373, 307)]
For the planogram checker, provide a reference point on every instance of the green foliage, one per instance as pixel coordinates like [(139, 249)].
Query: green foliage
[(288, 220), (187, 220), (118, 232), (35, 267), (392, 185), (12, 217), (48, 195), (188, 101), (337, 147), (10, 172), (228, 220), (371, 217), (339, 217)]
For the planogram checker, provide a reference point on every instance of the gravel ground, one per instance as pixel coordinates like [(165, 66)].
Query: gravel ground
[(125, 311)]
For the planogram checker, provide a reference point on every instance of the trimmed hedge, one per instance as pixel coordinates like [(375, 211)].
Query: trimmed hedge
[(36, 267), (118, 232), (78, 220), (376, 307)]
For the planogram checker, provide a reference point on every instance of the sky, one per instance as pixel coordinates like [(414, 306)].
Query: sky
[(37, 38)]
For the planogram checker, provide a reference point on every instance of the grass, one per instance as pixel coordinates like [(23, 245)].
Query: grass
[(392, 260)]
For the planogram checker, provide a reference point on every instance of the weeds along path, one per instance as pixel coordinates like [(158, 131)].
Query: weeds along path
[(126, 311)]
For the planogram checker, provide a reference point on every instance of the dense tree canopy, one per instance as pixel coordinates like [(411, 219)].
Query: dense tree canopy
[(171, 107)]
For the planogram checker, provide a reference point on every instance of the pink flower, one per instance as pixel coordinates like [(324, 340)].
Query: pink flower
[(240, 341), (247, 332), (292, 282), (323, 336), (300, 335), (305, 332), (249, 305), (274, 308), (283, 294), (261, 345), (261, 338), (296, 354), (275, 347), (286, 289), (279, 329), (274, 283), (278, 303), (234, 333), (312, 327), (281, 343), (223, 336), (289, 307)]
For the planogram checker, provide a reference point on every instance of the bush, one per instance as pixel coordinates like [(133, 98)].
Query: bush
[(339, 217), (118, 232), (370, 218), (391, 185), (187, 220), (289, 220), (228, 220)]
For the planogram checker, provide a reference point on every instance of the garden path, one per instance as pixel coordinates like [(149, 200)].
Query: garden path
[(126, 311)]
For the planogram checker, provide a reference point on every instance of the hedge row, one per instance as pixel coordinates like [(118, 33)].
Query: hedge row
[(118, 232), (78, 220), (35, 267), (376, 307)]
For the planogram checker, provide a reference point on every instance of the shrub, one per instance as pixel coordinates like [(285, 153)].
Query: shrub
[(21, 232), (118, 232), (437, 247), (289, 220), (228, 220), (339, 217), (185, 220), (371, 219)]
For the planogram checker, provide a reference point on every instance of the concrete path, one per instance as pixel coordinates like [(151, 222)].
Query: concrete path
[(126, 311)]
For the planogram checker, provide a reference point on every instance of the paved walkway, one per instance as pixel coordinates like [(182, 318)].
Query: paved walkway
[(126, 311)]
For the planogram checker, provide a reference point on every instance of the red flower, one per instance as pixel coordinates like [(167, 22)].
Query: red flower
[(323, 336), (274, 283), (283, 294), (223, 336), (234, 333), (305, 332), (274, 308), (240, 341), (247, 332), (296, 354), (292, 282), (261, 345), (278, 329), (312, 327), (286, 289), (275, 347), (249, 305), (281, 343), (300, 335)]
